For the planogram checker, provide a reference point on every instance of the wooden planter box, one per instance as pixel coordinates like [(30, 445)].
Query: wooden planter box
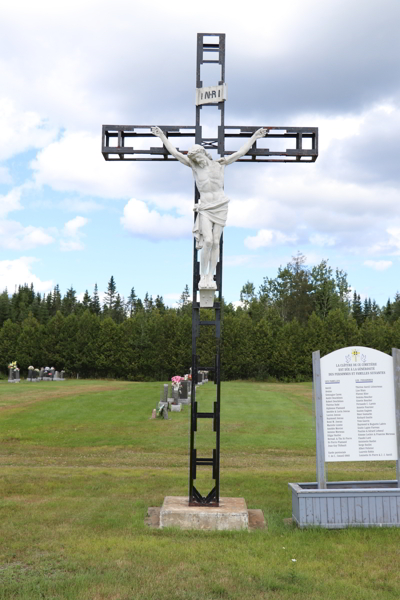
[(346, 504)]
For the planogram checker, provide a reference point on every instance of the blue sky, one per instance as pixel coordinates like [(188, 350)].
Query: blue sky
[(69, 217)]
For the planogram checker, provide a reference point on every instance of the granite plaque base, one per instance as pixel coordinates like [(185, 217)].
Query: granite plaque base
[(346, 504), (230, 515)]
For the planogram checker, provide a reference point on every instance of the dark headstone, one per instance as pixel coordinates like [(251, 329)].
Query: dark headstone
[(184, 390)]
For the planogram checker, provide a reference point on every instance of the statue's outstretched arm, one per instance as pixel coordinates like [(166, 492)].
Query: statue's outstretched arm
[(171, 149), (228, 160)]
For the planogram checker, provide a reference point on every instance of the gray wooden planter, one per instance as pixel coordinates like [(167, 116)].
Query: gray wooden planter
[(346, 504)]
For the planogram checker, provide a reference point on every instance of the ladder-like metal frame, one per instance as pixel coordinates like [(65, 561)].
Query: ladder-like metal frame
[(195, 497)]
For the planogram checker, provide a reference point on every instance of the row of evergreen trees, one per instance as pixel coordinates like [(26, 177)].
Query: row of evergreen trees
[(271, 335), (25, 301)]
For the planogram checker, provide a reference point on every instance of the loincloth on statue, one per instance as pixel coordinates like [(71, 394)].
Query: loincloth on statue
[(216, 212)]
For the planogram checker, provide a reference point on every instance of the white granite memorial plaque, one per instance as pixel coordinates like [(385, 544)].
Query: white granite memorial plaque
[(358, 405)]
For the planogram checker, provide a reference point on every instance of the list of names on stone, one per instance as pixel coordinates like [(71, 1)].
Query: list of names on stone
[(358, 405)]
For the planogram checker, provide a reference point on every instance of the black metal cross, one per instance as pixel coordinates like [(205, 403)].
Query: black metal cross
[(118, 144)]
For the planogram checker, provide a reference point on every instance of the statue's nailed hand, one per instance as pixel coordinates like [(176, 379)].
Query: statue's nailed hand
[(261, 133), (157, 131)]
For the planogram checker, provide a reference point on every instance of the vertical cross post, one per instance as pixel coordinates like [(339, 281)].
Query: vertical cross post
[(204, 46)]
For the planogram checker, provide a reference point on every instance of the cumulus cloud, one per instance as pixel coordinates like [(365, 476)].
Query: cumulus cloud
[(18, 272), (322, 240), (21, 130), (72, 234), (378, 265), (14, 236), (141, 221), (371, 155), (391, 245), (10, 202), (267, 237), (72, 227), (75, 164)]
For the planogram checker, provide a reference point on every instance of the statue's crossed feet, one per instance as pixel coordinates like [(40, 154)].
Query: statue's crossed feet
[(207, 283)]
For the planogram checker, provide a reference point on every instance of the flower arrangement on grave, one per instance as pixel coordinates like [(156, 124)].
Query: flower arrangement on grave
[(176, 382), (31, 368), (13, 366)]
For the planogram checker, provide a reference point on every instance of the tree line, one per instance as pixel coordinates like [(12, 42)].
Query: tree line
[(271, 335)]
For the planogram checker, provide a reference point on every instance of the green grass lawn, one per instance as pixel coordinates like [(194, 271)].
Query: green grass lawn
[(81, 461)]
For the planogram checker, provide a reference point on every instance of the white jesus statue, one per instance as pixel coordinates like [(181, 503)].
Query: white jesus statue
[(212, 210)]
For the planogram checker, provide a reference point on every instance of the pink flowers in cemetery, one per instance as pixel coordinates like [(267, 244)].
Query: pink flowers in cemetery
[(176, 381)]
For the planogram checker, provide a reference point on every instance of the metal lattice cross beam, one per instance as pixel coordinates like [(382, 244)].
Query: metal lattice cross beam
[(120, 142)]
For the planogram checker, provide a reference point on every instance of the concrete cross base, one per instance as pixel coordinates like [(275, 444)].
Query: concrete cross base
[(231, 514)]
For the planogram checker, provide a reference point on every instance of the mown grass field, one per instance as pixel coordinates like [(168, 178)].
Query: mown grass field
[(81, 461)]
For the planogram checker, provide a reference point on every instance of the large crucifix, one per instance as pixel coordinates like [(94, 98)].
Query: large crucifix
[(210, 206)]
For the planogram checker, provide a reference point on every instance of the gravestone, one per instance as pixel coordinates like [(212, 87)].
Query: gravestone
[(184, 392), (164, 393), (176, 407), (62, 375), (175, 395), (17, 379), (41, 373), (11, 376)]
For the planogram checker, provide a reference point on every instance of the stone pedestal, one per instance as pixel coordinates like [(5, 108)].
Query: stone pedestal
[(206, 297), (231, 514)]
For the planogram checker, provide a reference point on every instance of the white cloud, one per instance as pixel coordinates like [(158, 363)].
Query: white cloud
[(391, 245), (14, 236), (18, 272), (72, 227), (21, 130), (378, 265), (72, 235), (268, 237), (71, 245), (10, 202), (238, 304), (322, 240), (75, 164), (141, 221)]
